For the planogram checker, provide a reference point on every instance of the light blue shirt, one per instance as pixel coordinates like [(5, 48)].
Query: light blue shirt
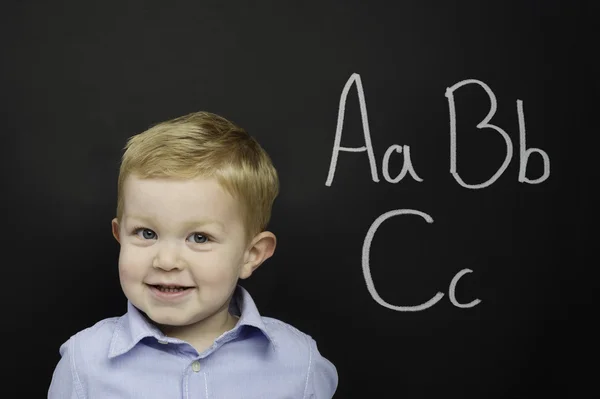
[(128, 357)]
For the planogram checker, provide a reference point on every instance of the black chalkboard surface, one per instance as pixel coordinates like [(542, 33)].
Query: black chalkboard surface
[(436, 162)]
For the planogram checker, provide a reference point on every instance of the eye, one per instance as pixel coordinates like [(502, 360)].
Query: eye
[(199, 238), (147, 234)]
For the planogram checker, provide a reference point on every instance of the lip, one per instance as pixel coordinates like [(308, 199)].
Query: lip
[(170, 296)]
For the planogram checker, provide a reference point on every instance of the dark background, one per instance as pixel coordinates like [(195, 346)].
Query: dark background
[(79, 78)]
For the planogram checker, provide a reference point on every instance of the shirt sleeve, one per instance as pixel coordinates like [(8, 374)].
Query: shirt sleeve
[(322, 375), (64, 378)]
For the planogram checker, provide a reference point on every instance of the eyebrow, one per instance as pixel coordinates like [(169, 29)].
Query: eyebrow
[(192, 223)]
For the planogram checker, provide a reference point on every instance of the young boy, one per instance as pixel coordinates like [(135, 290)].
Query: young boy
[(194, 199)]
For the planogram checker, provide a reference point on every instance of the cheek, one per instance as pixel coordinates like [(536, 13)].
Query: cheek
[(217, 268), (129, 265), (126, 273)]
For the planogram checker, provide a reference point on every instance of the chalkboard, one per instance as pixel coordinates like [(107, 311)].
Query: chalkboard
[(436, 162)]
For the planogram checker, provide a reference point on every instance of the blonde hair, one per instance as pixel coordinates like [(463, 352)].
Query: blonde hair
[(203, 144)]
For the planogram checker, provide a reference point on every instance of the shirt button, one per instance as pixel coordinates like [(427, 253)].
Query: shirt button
[(196, 366)]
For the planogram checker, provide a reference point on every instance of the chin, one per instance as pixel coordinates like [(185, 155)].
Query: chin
[(170, 322)]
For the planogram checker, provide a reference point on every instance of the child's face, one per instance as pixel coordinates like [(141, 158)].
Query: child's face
[(182, 232)]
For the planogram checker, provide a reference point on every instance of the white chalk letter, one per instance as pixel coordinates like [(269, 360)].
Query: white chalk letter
[(367, 270), (526, 152), (406, 166), (483, 124), (340, 125), (453, 289)]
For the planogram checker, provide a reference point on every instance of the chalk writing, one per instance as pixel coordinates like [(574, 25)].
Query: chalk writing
[(524, 152), (369, 279), (368, 147), (407, 168)]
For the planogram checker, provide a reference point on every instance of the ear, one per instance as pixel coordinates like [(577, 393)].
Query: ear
[(115, 229), (261, 248)]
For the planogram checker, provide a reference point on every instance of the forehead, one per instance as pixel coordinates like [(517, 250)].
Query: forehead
[(178, 199)]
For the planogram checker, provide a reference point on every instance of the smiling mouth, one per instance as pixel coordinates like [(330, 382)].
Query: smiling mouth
[(162, 288)]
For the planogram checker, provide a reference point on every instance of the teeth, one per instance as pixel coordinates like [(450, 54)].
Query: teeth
[(165, 289)]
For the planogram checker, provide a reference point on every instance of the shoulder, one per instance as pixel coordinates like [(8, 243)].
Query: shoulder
[(100, 332), (80, 355), (321, 378), (292, 343), (285, 336), (91, 344)]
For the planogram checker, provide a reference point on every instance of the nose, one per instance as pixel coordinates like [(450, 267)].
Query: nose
[(168, 257)]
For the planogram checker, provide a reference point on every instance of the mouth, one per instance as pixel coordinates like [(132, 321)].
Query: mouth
[(170, 293), (169, 288)]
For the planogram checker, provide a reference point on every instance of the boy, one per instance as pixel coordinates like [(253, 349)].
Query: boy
[(194, 199)]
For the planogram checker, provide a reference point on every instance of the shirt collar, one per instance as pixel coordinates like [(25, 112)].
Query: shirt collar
[(134, 326)]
